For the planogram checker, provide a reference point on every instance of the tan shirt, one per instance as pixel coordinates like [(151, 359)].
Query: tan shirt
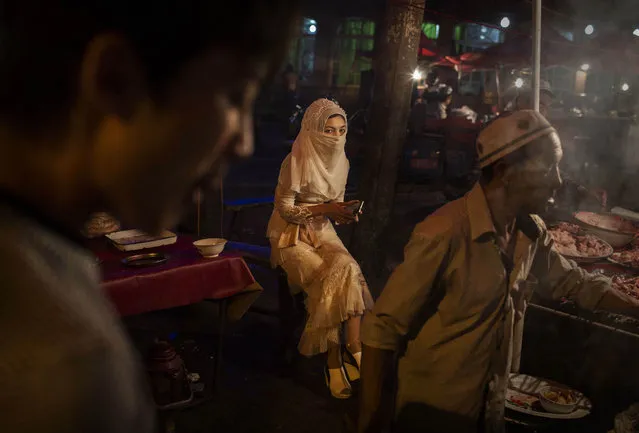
[(455, 320), (66, 364)]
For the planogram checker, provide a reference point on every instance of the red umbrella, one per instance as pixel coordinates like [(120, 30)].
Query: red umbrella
[(457, 63), (427, 47)]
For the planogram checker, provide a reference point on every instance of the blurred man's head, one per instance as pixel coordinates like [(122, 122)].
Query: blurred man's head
[(134, 104), (524, 100), (446, 94), (520, 154)]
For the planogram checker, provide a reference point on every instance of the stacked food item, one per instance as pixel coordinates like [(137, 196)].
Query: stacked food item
[(628, 257), (569, 242), (627, 284)]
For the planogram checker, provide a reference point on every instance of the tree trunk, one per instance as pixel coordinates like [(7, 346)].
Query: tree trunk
[(395, 60)]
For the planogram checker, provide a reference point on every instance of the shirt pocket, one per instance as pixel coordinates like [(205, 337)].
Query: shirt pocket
[(482, 285)]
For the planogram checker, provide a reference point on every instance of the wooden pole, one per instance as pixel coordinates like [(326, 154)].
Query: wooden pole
[(221, 206), (199, 211), (536, 53), (395, 60), (498, 85)]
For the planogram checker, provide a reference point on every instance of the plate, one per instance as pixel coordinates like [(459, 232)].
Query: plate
[(580, 234), (610, 269), (521, 396), (629, 264), (144, 260), (588, 259), (626, 265)]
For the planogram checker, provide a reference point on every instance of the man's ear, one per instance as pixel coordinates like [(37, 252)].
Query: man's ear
[(112, 80), (501, 171)]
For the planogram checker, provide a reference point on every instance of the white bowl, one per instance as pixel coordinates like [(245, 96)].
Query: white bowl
[(211, 247), (604, 230), (553, 406), (615, 239)]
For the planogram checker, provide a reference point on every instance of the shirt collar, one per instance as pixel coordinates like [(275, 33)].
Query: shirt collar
[(481, 220)]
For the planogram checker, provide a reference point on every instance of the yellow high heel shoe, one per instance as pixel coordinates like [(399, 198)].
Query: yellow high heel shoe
[(352, 362), (337, 382)]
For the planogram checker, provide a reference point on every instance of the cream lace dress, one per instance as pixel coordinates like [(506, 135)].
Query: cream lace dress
[(317, 262)]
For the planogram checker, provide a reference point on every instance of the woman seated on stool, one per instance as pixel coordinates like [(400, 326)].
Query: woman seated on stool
[(309, 194)]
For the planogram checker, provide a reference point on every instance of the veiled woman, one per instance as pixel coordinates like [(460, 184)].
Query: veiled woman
[(309, 197)]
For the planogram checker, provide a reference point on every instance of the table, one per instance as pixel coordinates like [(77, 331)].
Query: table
[(186, 278)]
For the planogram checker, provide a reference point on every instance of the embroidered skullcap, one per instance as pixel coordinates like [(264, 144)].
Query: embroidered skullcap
[(509, 133)]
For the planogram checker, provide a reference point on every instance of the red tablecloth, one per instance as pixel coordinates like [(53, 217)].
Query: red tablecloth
[(186, 278)]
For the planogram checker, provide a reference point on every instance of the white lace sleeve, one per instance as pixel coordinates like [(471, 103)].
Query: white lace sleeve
[(285, 205)]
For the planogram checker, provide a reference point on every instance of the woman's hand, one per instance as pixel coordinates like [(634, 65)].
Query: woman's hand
[(339, 212)]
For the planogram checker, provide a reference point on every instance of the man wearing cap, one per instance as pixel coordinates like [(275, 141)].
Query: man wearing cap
[(572, 195), (453, 312)]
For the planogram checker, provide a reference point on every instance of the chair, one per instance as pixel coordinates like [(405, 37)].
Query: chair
[(237, 206)]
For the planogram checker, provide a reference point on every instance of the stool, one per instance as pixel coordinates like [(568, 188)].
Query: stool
[(292, 314)]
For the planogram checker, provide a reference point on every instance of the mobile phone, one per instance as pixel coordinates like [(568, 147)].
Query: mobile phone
[(356, 208)]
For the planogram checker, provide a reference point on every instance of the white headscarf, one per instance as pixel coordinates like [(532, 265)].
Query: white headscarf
[(318, 162)]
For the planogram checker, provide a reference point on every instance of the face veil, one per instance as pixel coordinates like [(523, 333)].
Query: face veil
[(318, 161)]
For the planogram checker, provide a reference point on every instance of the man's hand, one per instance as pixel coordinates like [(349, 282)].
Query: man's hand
[(615, 301)]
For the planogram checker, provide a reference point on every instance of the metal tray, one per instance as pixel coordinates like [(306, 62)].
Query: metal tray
[(144, 260)]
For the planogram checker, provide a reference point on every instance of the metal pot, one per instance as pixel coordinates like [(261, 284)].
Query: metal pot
[(167, 375)]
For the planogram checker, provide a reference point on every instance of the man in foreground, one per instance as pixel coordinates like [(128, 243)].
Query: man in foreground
[(118, 106), (453, 311)]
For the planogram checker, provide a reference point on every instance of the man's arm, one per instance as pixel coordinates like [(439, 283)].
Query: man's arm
[(615, 301), (376, 363), (562, 278), (392, 317)]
